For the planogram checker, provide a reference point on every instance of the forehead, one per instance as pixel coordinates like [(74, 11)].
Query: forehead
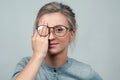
[(54, 19)]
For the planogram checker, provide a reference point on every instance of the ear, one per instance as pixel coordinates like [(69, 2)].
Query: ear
[(72, 36)]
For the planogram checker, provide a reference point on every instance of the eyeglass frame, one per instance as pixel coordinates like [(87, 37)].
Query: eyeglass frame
[(54, 29)]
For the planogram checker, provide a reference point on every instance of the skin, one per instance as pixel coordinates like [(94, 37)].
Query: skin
[(54, 49), (57, 54)]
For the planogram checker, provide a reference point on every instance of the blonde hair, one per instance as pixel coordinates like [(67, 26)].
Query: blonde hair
[(53, 7)]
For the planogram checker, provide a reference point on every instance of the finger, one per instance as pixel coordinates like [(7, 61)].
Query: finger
[(45, 30), (40, 28)]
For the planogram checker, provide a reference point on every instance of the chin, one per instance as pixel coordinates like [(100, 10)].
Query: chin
[(53, 51)]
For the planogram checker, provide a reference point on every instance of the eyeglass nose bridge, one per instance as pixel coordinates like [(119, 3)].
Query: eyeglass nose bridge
[(51, 29)]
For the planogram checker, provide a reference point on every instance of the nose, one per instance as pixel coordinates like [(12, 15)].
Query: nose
[(51, 35)]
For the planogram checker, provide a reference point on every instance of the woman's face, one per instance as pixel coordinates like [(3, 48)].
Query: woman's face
[(57, 44)]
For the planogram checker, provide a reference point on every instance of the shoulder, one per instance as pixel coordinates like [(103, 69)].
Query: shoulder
[(78, 64), (83, 70), (80, 67), (24, 61), (20, 65), (26, 58)]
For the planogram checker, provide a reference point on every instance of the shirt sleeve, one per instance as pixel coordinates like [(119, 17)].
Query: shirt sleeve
[(19, 67), (95, 76)]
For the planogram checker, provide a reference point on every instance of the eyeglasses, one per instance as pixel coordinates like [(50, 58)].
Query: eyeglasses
[(58, 30)]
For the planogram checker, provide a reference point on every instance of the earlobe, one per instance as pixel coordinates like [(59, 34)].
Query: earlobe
[(72, 36)]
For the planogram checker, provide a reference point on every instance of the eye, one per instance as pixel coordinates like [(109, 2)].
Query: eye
[(59, 29)]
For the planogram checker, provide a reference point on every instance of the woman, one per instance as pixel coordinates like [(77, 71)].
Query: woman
[(55, 28)]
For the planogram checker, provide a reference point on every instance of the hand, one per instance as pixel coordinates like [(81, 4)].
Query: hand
[(40, 43)]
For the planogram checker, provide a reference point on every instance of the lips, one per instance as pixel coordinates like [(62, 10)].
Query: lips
[(52, 44)]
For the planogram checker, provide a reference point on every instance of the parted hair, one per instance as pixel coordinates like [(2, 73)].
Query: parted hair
[(53, 7)]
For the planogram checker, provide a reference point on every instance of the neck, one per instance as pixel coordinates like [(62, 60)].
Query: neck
[(56, 60)]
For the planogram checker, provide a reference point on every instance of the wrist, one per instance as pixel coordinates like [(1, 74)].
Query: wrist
[(38, 57)]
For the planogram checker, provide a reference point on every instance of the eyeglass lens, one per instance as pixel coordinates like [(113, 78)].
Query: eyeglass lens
[(58, 30)]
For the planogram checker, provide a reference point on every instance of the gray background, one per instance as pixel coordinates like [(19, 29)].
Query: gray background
[(97, 42)]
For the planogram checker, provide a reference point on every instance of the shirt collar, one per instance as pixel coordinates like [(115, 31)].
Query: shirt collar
[(56, 69)]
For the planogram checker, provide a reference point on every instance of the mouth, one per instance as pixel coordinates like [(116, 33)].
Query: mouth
[(52, 45)]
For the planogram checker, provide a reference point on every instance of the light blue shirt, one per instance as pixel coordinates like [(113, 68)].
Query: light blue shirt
[(72, 70)]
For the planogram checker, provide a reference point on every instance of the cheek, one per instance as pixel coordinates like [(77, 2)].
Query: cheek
[(64, 40)]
